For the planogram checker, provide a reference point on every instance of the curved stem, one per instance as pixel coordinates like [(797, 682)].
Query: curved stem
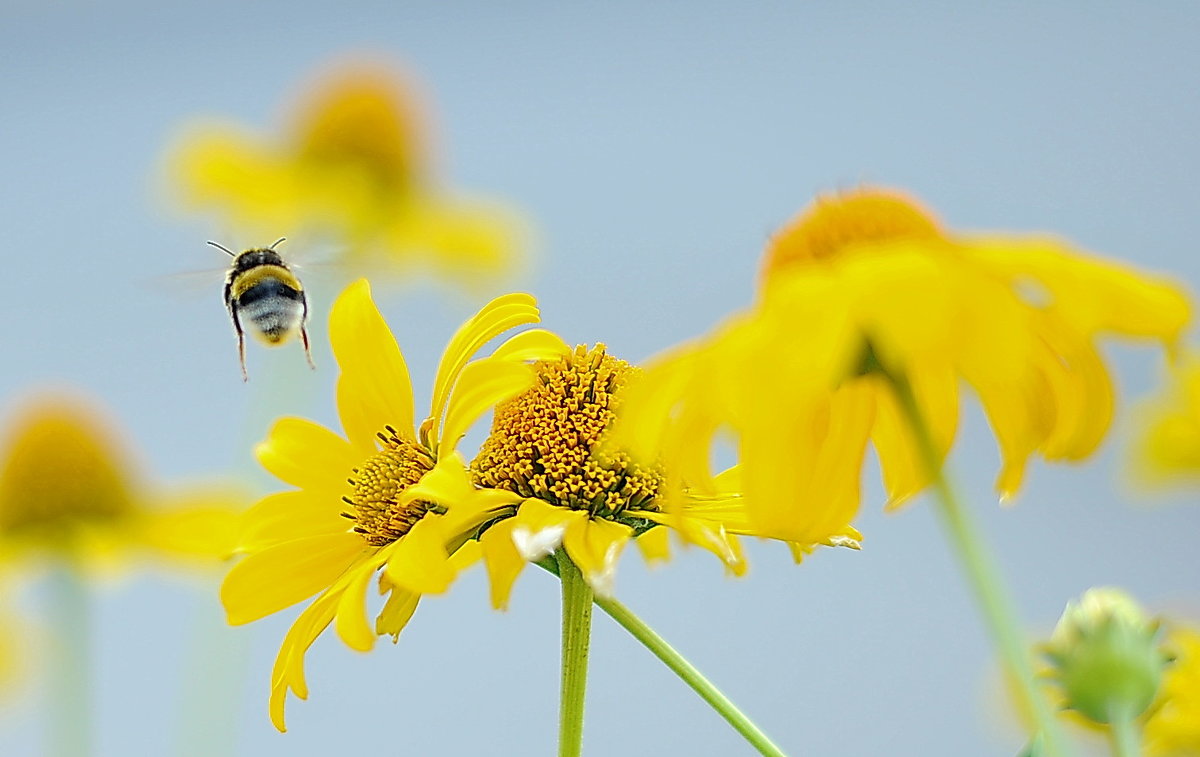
[(982, 573), (576, 634), (70, 668)]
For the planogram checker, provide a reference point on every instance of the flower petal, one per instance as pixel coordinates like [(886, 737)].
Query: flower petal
[(307, 455), (282, 575), (482, 385), (374, 389), (351, 619), (289, 515), (421, 560), (288, 672), (502, 560), (654, 545), (396, 612), (535, 344), (594, 544)]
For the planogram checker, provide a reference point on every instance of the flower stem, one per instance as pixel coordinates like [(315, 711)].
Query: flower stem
[(982, 574), (1124, 735), (690, 675), (576, 634), (70, 671)]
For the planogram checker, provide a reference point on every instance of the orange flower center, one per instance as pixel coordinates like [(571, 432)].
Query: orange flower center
[(378, 485), (546, 442), (832, 225)]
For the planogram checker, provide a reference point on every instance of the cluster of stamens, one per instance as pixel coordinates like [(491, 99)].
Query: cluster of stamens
[(547, 442), (378, 485)]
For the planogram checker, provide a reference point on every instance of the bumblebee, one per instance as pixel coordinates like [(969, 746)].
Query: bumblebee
[(262, 291)]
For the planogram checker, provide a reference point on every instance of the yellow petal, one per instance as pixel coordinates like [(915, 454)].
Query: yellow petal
[(289, 515), (499, 315), (654, 545), (539, 527), (535, 344), (594, 545), (1082, 394), (502, 560), (396, 612), (936, 391), (199, 523), (482, 385), (421, 561), (288, 672), (373, 390), (307, 455), (351, 619), (282, 575)]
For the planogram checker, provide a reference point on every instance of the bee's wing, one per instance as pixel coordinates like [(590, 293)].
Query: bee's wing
[(187, 283)]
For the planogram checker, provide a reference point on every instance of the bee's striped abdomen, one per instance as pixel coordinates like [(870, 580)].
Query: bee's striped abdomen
[(273, 307)]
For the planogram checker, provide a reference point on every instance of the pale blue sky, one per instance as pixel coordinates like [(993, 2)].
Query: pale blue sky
[(656, 148)]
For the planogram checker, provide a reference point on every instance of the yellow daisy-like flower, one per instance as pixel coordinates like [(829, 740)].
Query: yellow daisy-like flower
[(68, 492), (389, 497), (1168, 446), (867, 288), (352, 164), (1173, 726), (548, 448)]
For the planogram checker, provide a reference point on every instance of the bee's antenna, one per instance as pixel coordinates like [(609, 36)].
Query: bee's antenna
[(225, 249), (277, 241)]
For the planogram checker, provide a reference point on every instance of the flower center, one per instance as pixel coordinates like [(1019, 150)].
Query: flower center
[(833, 224), (378, 484), (62, 471), (545, 442)]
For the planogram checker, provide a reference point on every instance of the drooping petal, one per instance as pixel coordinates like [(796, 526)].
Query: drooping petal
[(539, 527), (1081, 391), (421, 560), (534, 344), (654, 546), (594, 545), (396, 612), (307, 455), (351, 619), (288, 672), (502, 560), (936, 391), (374, 389), (499, 315), (282, 575)]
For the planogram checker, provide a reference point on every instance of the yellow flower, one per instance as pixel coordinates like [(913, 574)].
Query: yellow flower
[(67, 491), (353, 165), (390, 497), (1173, 726), (548, 448), (1168, 446), (866, 288)]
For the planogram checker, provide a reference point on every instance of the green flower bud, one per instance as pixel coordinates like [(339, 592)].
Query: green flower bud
[(1106, 656)]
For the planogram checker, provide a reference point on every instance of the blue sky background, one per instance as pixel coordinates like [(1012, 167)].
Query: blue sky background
[(655, 149)]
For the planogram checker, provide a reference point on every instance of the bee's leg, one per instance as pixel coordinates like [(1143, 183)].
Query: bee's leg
[(307, 351), (237, 326)]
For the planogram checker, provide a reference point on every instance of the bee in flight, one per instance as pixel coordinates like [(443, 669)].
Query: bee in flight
[(261, 290)]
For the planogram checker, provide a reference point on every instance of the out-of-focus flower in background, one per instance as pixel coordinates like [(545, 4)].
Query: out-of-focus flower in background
[(866, 289), (1173, 725), (353, 165), (391, 496), (69, 492), (1167, 446)]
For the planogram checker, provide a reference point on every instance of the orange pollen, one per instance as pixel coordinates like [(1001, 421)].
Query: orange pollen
[(378, 485), (834, 224)]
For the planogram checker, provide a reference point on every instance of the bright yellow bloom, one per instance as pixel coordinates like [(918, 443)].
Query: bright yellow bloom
[(1173, 727), (548, 448), (1168, 447), (390, 497), (352, 165), (866, 287), (67, 491)]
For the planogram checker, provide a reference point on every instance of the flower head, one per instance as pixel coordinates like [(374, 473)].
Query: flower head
[(353, 164), (867, 288), (67, 490), (391, 498)]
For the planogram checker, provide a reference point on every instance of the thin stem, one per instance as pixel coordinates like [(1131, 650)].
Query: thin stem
[(70, 670), (690, 675), (982, 574), (1124, 735), (576, 634)]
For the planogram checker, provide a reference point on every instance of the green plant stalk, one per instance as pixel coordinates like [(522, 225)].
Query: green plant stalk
[(576, 634), (1124, 734), (684, 669), (70, 665), (982, 574)]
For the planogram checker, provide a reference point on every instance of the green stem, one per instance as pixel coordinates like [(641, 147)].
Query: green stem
[(576, 633), (982, 574), (70, 671), (1124, 735), (690, 675)]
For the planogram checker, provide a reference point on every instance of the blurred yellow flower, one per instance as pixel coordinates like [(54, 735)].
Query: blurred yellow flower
[(1167, 449), (548, 447), (1173, 726), (391, 496), (68, 492), (864, 289), (353, 165)]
